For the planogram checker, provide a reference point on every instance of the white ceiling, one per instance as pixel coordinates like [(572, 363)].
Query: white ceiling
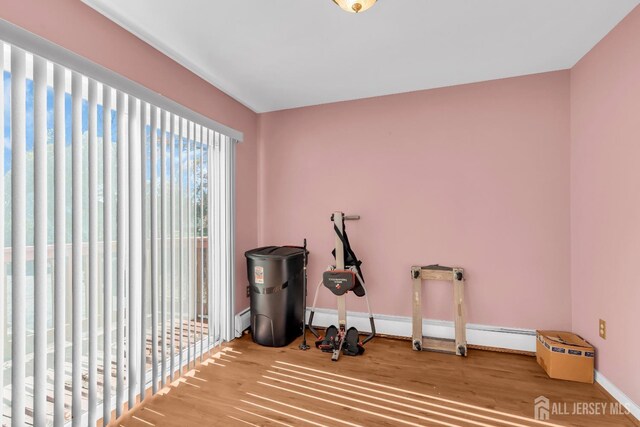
[(277, 54)]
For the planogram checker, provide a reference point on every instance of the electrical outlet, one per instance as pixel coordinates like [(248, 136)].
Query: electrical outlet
[(603, 329), (248, 291)]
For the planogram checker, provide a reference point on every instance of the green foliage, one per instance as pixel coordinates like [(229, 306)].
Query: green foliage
[(199, 197), (53, 187)]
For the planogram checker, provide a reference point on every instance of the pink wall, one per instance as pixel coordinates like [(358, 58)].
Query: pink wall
[(474, 175), (605, 201), (95, 37)]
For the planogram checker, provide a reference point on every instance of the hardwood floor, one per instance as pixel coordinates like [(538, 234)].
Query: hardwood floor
[(390, 385)]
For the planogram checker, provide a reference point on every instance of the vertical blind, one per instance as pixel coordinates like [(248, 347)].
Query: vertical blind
[(118, 244)]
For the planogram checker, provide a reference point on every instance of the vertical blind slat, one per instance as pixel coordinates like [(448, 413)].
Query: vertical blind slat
[(194, 242), (18, 235), (210, 246), (221, 159), (180, 236), (205, 156), (76, 248), (220, 219), (121, 245), (210, 277), (225, 251), (188, 242), (193, 266), (172, 244), (108, 252), (60, 238), (134, 224), (93, 252), (40, 240), (143, 215), (201, 220), (231, 208), (154, 248), (221, 196), (216, 223), (227, 218), (163, 245), (3, 282)]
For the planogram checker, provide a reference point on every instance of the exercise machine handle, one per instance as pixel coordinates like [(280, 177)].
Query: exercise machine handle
[(347, 217)]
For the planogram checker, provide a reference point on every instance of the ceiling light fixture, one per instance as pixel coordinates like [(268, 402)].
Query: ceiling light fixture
[(355, 6)]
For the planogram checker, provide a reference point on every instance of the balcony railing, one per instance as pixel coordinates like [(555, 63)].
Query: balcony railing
[(194, 327)]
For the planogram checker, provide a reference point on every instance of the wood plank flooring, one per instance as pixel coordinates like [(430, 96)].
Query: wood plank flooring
[(390, 385)]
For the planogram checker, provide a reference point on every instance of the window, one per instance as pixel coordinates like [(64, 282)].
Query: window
[(118, 236)]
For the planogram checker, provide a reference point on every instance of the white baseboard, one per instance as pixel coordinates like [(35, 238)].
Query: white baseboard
[(242, 321), (400, 326), (618, 394)]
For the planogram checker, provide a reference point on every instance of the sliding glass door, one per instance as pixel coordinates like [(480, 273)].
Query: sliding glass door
[(118, 241)]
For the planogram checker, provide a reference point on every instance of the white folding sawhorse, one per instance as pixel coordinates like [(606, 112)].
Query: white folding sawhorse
[(458, 345)]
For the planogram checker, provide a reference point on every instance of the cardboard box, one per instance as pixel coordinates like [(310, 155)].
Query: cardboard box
[(565, 356)]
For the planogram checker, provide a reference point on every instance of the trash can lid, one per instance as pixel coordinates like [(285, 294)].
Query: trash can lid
[(275, 252)]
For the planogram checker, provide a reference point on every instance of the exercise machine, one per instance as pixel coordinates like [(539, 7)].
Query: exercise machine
[(343, 277), (455, 275)]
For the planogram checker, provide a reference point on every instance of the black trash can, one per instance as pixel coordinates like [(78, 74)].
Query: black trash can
[(276, 287)]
